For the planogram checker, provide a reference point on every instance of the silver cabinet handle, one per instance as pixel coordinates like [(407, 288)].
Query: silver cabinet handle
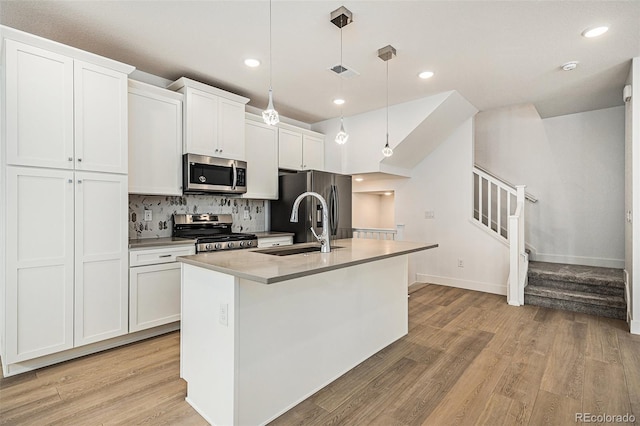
[(70, 180), (165, 255), (220, 149), (79, 180), (70, 158), (79, 160)]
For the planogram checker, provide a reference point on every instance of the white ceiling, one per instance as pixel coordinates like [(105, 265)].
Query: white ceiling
[(495, 53)]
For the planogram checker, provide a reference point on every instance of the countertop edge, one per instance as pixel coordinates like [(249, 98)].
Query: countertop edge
[(273, 280)]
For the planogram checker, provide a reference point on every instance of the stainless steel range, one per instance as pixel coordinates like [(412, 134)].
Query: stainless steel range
[(212, 232)]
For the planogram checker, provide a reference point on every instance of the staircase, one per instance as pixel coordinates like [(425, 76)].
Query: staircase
[(586, 289)]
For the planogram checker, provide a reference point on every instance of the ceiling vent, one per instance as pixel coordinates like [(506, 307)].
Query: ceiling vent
[(344, 71)]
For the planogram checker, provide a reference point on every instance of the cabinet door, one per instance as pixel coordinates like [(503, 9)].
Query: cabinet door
[(100, 97), (262, 161), (101, 258), (231, 136), (39, 268), (155, 144), (154, 295), (201, 123), (313, 152), (290, 150), (39, 107)]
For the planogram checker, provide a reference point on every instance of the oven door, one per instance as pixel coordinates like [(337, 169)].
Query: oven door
[(211, 174)]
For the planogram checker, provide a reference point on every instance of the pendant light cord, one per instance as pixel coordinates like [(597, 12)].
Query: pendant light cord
[(387, 102), (270, 50), (340, 77)]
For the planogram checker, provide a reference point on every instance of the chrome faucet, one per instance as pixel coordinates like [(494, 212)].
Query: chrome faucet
[(324, 238)]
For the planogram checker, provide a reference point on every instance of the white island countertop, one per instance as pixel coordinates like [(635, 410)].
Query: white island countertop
[(269, 269)]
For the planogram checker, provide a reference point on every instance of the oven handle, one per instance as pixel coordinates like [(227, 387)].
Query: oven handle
[(235, 175)]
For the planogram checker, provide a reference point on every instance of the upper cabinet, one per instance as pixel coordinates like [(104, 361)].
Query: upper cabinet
[(80, 109), (261, 145), (155, 140), (300, 149), (213, 120)]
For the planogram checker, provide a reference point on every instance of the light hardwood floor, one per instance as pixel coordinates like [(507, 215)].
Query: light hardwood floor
[(469, 358)]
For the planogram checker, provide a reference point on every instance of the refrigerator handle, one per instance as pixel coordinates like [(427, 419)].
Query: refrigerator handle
[(334, 209)]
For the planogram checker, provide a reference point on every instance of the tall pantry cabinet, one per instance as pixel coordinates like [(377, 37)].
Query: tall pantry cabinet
[(64, 200)]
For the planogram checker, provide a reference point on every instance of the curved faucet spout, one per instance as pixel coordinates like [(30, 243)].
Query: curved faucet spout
[(324, 237)]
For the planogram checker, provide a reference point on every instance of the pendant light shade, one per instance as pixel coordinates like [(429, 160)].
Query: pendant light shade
[(270, 115), (342, 137), (387, 53), (341, 17)]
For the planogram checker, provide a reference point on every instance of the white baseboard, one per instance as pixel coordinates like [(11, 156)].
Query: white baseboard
[(44, 361), (577, 260), (634, 327), (500, 289)]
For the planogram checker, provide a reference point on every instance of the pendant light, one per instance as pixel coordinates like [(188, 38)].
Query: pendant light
[(341, 17), (270, 115), (387, 53)]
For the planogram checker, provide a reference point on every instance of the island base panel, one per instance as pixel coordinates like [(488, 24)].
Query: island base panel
[(289, 339)]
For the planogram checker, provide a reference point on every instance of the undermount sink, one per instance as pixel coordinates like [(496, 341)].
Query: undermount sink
[(289, 250)]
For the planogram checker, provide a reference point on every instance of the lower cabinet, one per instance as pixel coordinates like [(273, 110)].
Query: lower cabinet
[(66, 260), (154, 289)]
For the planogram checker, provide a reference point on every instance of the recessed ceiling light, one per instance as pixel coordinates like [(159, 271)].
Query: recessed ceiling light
[(425, 74), (338, 101), (570, 66), (359, 179), (252, 62), (595, 32)]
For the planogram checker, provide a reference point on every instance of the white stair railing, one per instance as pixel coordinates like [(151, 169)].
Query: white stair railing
[(494, 200), (518, 258)]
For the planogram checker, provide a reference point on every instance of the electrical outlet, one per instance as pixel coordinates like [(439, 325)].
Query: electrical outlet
[(429, 214), (460, 263), (148, 215), (246, 214), (224, 314)]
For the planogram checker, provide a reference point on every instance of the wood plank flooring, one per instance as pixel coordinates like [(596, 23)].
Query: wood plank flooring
[(469, 358)]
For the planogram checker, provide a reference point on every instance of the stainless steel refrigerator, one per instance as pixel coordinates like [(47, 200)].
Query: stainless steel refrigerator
[(336, 190)]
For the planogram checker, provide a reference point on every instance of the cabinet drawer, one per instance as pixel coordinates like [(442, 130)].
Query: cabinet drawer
[(275, 241), (159, 255)]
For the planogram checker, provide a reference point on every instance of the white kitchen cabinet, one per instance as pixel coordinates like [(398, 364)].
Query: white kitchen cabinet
[(39, 89), (213, 120), (39, 262), (261, 143), (100, 97), (154, 286), (66, 280), (274, 241), (101, 257), (80, 110), (155, 140), (299, 150)]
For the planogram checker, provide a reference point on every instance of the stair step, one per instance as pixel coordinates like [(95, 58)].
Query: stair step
[(576, 286), (601, 311), (576, 296), (546, 274)]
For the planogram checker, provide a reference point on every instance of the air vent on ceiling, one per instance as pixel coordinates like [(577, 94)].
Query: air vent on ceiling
[(344, 71)]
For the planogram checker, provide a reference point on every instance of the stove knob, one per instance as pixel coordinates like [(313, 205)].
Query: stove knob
[(241, 243), (230, 245), (218, 246), (208, 246), (249, 243)]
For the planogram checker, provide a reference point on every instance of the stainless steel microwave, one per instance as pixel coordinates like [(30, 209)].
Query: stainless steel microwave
[(202, 174)]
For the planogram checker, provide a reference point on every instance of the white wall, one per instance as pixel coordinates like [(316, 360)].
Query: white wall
[(442, 182), (373, 211), (574, 165), (632, 195)]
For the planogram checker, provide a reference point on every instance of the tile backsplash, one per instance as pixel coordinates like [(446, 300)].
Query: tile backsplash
[(162, 207)]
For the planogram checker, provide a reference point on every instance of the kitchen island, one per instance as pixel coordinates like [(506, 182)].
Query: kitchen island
[(262, 332)]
